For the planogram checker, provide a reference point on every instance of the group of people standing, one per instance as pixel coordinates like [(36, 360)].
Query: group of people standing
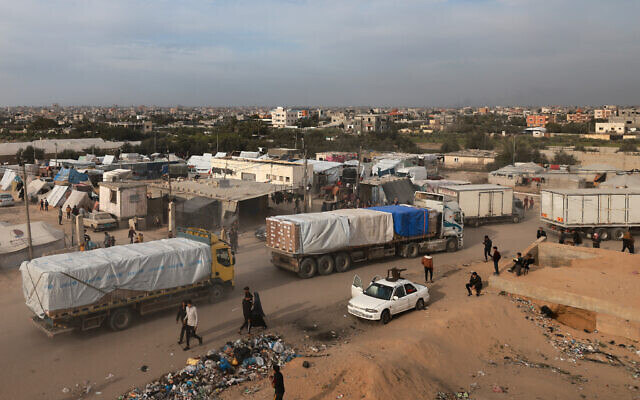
[(230, 235)]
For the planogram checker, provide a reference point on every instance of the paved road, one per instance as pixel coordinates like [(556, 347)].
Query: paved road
[(36, 367)]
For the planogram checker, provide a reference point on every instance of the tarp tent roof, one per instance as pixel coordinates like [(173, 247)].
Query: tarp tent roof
[(14, 245), (34, 186), (77, 198), (108, 159), (57, 195), (402, 189), (7, 179), (519, 168), (70, 175)]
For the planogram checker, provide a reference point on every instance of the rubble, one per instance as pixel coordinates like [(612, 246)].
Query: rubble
[(204, 377)]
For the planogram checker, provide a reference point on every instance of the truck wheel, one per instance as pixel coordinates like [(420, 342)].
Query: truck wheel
[(617, 233), (411, 250), (515, 219), (216, 293), (120, 319), (308, 268), (385, 317), (325, 265), (420, 304), (603, 234), (452, 245), (343, 262)]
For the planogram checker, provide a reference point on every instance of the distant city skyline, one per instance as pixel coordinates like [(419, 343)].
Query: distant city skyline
[(383, 53)]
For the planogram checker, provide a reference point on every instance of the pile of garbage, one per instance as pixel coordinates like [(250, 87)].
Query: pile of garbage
[(204, 377)]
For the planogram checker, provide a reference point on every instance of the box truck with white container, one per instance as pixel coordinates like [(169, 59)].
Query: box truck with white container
[(607, 212), (485, 203)]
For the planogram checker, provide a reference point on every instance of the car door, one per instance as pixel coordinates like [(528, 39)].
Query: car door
[(399, 300), (356, 286), (412, 295)]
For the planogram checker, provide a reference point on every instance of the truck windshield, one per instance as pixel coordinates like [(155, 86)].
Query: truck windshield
[(379, 291), (223, 257)]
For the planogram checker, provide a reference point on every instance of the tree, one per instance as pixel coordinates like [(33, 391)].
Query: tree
[(478, 140), (41, 123), (449, 145), (27, 155), (563, 158), (627, 147), (525, 152), (70, 154)]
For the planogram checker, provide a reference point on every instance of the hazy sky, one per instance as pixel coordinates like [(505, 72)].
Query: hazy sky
[(321, 52)]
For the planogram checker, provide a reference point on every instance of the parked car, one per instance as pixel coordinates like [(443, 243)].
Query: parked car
[(6, 200), (386, 297), (261, 233), (98, 221)]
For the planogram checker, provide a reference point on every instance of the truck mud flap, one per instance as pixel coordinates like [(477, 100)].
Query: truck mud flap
[(49, 329)]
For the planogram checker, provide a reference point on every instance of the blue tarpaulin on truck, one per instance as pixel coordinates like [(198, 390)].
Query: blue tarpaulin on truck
[(407, 221)]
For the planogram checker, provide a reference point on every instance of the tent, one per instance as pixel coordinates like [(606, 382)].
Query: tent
[(108, 160), (386, 166), (57, 195), (77, 198), (70, 175), (331, 170), (8, 179), (36, 186), (14, 243)]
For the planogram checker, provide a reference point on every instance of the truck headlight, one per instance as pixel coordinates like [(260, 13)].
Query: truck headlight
[(371, 310)]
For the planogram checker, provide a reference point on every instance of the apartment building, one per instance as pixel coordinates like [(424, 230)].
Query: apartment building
[(618, 128), (276, 172), (281, 117), (578, 117), (372, 123), (537, 120)]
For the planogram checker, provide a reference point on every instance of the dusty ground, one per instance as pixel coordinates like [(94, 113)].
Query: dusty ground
[(424, 354)]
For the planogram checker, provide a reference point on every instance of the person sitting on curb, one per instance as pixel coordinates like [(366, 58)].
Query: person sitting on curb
[(528, 261), (475, 282), (518, 263)]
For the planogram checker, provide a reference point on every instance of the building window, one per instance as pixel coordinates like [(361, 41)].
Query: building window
[(288, 179), (113, 196)]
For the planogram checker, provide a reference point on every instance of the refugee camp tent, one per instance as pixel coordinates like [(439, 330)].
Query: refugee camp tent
[(79, 199), (14, 242), (36, 187), (69, 176), (386, 166), (108, 159), (8, 179), (57, 195)]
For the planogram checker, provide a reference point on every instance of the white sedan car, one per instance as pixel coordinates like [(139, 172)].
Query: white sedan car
[(386, 297)]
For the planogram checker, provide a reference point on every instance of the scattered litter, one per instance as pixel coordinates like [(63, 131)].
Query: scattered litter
[(306, 364), (499, 389), (144, 368), (65, 390), (339, 396), (109, 377), (205, 377)]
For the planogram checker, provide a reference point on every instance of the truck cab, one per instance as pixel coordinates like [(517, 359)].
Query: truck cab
[(452, 217), (222, 257)]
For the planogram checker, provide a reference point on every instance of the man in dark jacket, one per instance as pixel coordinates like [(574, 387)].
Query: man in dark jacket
[(540, 233), (247, 305), (496, 258), (487, 248), (577, 238), (180, 318), (277, 382), (475, 282), (595, 241)]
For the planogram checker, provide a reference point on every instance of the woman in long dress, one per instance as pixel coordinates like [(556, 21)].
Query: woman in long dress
[(257, 315)]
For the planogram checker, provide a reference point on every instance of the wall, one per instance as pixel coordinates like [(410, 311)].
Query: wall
[(559, 255), (133, 202), (606, 155), (263, 171)]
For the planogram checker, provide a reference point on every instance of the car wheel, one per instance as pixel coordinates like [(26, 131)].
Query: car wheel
[(343, 262), (308, 268), (325, 265), (120, 319), (385, 317), (420, 304)]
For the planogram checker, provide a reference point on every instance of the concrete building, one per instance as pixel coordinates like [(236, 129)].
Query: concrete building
[(147, 127), (474, 159), (537, 120), (618, 128), (578, 117), (372, 123), (276, 172), (605, 113), (281, 117), (124, 199), (630, 119)]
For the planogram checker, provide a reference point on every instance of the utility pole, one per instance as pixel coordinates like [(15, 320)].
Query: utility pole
[(56, 144), (217, 143), (305, 179), (358, 172), (26, 208), (514, 149)]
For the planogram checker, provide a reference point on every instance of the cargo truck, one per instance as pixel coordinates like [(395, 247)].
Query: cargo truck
[(485, 203), (83, 290), (321, 243), (607, 212)]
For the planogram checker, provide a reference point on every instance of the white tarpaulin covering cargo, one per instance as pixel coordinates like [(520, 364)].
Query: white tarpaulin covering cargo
[(320, 232), (367, 226), (7, 180), (56, 196), (63, 281)]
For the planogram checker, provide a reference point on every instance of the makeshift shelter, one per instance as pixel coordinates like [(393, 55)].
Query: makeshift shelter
[(8, 179), (69, 176), (57, 195), (386, 189), (36, 187), (386, 166), (325, 172), (123, 199), (14, 242), (79, 199), (198, 212)]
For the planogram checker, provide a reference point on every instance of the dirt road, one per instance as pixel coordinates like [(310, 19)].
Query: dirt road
[(36, 367)]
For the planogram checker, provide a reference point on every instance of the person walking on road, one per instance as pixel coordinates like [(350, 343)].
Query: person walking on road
[(628, 242), (75, 210), (46, 205), (496, 259), (487, 247), (107, 240), (427, 263), (180, 318), (68, 211), (540, 233), (531, 202), (526, 202), (60, 215), (191, 318), (257, 314), (595, 241), (247, 305), (41, 204), (277, 381), (132, 234), (475, 282)]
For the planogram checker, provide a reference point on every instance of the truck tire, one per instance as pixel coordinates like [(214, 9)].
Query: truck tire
[(120, 319), (603, 234), (343, 262), (216, 293), (616, 233), (308, 268), (411, 250), (452, 245), (326, 265), (515, 219)]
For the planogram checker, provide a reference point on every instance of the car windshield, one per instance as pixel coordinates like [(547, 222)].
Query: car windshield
[(379, 291)]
